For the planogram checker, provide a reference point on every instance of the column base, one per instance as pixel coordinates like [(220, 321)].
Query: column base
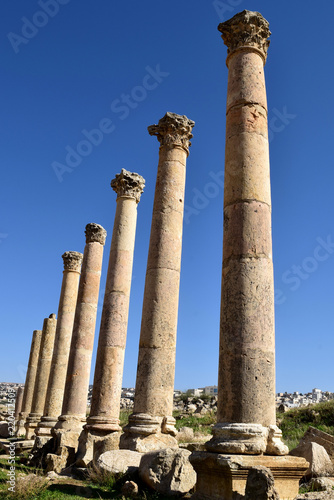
[(248, 439), (224, 476), (31, 424), (66, 434), (146, 433), (95, 441), (20, 425), (46, 425)]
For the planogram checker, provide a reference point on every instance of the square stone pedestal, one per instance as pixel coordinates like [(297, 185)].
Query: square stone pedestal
[(93, 443), (224, 477)]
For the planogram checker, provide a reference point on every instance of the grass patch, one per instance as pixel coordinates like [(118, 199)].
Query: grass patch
[(198, 424), (106, 479), (31, 484), (124, 417), (294, 423)]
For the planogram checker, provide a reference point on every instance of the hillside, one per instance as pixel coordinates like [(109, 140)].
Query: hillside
[(295, 422)]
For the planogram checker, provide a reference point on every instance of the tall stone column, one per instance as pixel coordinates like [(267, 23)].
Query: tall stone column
[(246, 421), (42, 375), (103, 421), (151, 425), (66, 311), (73, 414), (29, 382), (246, 388)]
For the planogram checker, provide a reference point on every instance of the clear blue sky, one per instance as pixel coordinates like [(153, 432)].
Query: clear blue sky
[(71, 74)]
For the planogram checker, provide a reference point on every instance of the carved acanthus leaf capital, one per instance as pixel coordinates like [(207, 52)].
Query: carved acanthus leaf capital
[(173, 130), (72, 261), (246, 29), (128, 184), (95, 233)]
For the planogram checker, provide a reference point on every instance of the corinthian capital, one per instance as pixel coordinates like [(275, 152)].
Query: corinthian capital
[(95, 233), (173, 130), (72, 261), (128, 184), (246, 29)]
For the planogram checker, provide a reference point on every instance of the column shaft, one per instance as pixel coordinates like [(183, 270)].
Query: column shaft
[(18, 401), (247, 348), (156, 362)]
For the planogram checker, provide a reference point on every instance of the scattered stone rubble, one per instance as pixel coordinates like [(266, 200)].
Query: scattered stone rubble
[(196, 406)]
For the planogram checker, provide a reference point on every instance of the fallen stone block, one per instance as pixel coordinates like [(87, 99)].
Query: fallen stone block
[(185, 434), (119, 461), (130, 489), (326, 440), (168, 471), (321, 484), (260, 484), (320, 463)]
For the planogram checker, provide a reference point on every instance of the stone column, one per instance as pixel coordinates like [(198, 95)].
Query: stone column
[(18, 401), (66, 311), (29, 382), (246, 421), (42, 375), (151, 425), (103, 421), (73, 414)]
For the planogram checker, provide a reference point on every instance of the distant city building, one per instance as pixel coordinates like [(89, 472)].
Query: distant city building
[(316, 395), (211, 390)]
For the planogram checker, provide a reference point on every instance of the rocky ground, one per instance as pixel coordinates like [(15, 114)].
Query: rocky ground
[(320, 495)]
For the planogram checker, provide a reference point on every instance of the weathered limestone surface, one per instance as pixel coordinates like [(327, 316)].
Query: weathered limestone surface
[(246, 420), (107, 388), (30, 381), (66, 311), (42, 375), (73, 415), (151, 425)]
